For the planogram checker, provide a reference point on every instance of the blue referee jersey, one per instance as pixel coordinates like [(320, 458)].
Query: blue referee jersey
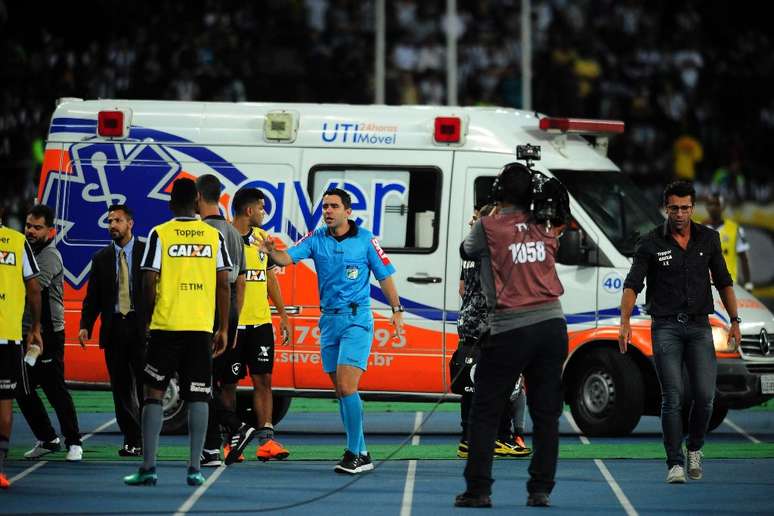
[(343, 267)]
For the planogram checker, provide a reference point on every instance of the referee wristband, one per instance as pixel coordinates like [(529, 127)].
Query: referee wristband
[(398, 308)]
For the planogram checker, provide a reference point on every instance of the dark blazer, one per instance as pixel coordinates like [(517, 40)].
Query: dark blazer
[(102, 291)]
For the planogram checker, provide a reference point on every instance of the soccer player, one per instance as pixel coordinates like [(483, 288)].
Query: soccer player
[(344, 256), (18, 270), (255, 342), (186, 268)]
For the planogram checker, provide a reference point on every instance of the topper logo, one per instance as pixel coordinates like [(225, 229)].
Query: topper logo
[(190, 251)]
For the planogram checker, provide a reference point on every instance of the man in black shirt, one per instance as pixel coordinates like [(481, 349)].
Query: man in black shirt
[(675, 259)]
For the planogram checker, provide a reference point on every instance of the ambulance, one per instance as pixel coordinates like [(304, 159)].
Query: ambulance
[(414, 174)]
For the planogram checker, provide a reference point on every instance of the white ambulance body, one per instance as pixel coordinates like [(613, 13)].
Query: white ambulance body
[(415, 174)]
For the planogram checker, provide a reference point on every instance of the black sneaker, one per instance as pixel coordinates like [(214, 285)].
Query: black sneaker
[(365, 462), (538, 500), (210, 458), (472, 500), (239, 442), (350, 464), (128, 450)]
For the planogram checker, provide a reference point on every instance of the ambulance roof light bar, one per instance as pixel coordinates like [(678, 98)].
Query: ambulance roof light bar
[(581, 125), (450, 130), (601, 129)]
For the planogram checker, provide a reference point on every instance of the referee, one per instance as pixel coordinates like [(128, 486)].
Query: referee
[(186, 268), (18, 270)]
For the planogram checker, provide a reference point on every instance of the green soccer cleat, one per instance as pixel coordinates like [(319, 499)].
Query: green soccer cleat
[(194, 477), (143, 477)]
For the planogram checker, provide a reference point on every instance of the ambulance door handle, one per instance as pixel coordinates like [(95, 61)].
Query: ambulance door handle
[(424, 279), (290, 310)]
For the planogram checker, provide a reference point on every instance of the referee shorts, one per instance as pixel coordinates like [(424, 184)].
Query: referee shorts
[(187, 353), (345, 339), (11, 369)]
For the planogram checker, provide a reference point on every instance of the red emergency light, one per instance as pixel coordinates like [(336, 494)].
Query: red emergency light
[(448, 129), (581, 125), (110, 124)]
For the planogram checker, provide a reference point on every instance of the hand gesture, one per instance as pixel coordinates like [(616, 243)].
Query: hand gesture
[(83, 336), (219, 343), (624, 336)]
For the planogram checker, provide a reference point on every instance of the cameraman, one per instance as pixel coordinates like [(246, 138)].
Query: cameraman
[(528, 335)]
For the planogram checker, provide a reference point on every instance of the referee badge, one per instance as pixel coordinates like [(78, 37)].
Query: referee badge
[(352, 272)]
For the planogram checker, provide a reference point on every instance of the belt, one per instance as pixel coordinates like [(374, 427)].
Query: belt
[(119, 315), (682, 317), (351, 308)]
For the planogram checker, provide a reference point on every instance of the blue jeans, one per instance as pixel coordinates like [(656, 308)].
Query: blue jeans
[(679, 347)]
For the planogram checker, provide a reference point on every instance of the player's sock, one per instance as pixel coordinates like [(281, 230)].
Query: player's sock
[(4, 444), (353, 421), (265, 433), (361, 444), (198, 412), (152, 419)]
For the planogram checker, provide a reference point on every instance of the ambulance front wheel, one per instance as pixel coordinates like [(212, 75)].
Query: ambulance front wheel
[(607, 397)]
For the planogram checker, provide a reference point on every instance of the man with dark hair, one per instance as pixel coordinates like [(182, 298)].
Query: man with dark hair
[(114, 294), (675, 259), (528, 335), (18, 270), (344, 256), (223, 402), (48, 371), (186, 268), (255, 341)]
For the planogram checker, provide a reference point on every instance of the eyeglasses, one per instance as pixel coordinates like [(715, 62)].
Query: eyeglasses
[(673, 208)]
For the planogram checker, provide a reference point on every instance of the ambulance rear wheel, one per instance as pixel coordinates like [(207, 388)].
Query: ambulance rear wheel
[(608, 394), (175, 410)]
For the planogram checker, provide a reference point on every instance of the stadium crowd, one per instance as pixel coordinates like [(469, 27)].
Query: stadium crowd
[(691, 79)]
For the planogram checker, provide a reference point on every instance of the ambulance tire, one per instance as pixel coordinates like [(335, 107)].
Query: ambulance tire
[(175, 410), (280, 406), (608, 395)]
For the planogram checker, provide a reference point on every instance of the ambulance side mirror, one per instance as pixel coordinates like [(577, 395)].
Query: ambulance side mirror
[(571, 248)]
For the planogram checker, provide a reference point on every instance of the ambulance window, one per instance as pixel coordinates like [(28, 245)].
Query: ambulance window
[(398, 204), (482, 188)]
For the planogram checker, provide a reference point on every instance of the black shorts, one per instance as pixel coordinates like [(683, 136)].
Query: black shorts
[(11, 367), (187, 353), (255, 350)]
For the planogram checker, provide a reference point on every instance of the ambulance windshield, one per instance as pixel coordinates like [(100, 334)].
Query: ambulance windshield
[(618, 207)]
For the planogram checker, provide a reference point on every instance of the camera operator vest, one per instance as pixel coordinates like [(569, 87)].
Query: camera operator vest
[(523, 260)]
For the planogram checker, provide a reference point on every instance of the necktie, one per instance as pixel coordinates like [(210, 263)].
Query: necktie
[(124, 302)]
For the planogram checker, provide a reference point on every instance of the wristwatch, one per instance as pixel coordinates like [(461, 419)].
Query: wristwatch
[(398, 308), (736, 319)]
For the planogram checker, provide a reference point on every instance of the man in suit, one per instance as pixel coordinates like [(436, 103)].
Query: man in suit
[(115, 294)]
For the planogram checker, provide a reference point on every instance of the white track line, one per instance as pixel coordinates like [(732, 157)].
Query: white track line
[(200, 491), (40, 464), (740, 430), (622, 499), (574, 425), (617, 491), (408, 488)]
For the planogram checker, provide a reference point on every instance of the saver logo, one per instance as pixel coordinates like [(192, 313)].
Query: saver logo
[(90, 176)]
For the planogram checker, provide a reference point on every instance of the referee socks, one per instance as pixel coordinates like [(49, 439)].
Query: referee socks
[(352, 417)]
